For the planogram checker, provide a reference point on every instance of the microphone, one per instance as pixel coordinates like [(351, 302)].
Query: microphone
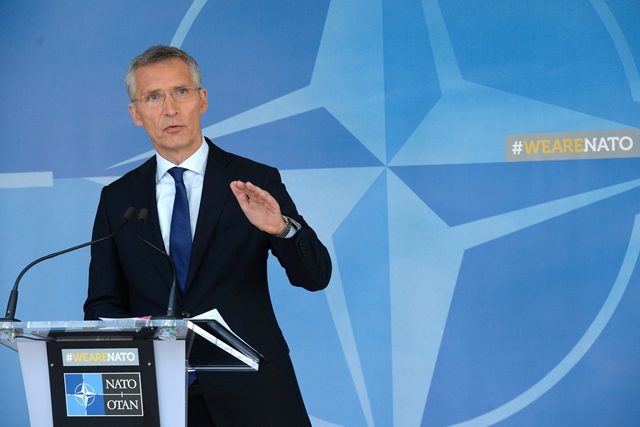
[(13, 298), (142, 217)]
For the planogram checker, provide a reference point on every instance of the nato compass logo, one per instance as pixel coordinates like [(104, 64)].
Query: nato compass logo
[(103, 395), (465, 287)]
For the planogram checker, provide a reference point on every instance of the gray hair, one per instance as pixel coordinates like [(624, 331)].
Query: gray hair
[(157, 54)]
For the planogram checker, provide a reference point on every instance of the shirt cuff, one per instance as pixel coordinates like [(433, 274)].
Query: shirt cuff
[(293, 229)]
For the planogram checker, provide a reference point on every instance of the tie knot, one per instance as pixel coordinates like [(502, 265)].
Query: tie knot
[(176, 173)]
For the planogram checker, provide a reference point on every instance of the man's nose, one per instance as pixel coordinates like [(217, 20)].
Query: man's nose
[(170, 107)]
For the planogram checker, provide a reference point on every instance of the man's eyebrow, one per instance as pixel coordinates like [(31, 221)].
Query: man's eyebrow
[(173, 88)]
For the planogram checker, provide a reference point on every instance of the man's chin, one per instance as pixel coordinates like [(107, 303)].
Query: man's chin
[(176, 150)]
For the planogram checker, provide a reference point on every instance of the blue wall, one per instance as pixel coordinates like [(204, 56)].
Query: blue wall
[(468, 290)]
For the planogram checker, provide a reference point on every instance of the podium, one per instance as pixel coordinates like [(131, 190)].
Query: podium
[(125, 372)]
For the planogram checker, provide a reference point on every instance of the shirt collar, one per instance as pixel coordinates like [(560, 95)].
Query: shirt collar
[(197, 162)]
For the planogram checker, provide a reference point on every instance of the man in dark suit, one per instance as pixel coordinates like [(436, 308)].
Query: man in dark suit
[(239, 210)]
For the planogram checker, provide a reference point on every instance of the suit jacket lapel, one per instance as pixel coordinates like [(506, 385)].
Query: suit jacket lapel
[(145, 197), (215, 193)]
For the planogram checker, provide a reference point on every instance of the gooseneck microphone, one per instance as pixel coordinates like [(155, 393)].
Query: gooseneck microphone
[(142, 217), (13, 298)]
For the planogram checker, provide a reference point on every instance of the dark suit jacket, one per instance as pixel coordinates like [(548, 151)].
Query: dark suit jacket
[(228, 267)]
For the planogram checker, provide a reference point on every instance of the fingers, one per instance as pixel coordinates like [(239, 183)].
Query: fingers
[(259, 206), (251, 192)]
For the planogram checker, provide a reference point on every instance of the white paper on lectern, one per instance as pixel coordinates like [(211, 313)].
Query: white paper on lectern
[(212, 315), (215, 315)]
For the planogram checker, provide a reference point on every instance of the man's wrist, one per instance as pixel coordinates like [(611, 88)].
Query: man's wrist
[(287, 227), (290, 229)]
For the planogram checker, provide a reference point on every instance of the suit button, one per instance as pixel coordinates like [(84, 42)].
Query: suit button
[(186, 314)]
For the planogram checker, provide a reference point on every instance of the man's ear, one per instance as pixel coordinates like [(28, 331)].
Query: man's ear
[(134, 115), (204, 101)]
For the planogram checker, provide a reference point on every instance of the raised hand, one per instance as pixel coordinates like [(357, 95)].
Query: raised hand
[(259, 206)]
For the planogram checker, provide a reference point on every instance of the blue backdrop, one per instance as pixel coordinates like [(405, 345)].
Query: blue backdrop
[(468, 290)]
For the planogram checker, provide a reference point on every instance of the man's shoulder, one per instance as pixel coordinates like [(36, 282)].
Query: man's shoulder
[(236, 160), (133, 176)]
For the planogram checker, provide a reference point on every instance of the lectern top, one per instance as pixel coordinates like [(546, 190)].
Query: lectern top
[(92, 330)]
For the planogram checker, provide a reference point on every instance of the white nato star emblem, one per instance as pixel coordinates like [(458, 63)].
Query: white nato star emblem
[(84, 394)]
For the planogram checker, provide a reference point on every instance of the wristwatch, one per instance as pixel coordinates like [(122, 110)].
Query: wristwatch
[(288, 223)]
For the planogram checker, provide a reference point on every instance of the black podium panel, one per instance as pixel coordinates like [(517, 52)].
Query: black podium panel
[(103, 383)]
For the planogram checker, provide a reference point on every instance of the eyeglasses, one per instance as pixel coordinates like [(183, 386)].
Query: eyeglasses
[(181, 94)]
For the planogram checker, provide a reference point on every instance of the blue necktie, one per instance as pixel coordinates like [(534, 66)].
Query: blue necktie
[(180, 238)]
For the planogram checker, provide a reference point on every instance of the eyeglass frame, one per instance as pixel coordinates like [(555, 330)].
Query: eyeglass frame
[(164, 96)]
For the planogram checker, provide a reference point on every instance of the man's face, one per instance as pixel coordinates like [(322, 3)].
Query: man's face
[(174, 127)]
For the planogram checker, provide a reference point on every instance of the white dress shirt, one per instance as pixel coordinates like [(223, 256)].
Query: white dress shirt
[(193, 178)]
